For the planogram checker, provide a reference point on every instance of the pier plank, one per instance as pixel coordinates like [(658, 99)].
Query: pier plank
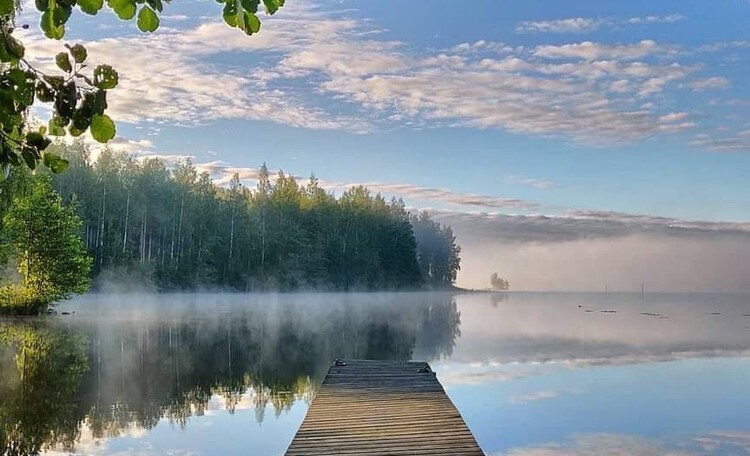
[(382, 408)]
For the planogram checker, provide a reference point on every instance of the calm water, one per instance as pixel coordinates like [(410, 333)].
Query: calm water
[(532, 374)]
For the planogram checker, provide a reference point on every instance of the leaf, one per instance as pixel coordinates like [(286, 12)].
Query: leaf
[(79, 53), (273, 5), (250, 23), (230, 13), (250, 6), (65, 100), (105, 77), (42, 5), (125, 9), (61, 13), (11, 49), (56, 126), (22, 89), (50, 29), (37, 140), (90, 6), (156, 4), (102, 128), (148, 21), (82, 118), (29, 158), (63, 62), (55, 163), (7, 7), (100, 101), (74, 132)]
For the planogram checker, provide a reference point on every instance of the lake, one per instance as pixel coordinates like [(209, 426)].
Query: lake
[(533, 374)]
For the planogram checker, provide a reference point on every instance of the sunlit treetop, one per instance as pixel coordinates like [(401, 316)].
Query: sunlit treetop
[(76, 95)]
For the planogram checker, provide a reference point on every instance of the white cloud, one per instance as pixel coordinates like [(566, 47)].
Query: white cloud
[(675, 122), (587, 92), (588, 50), (531, 182), (167, 77), (454, 378), (722, 142), (584, 24), (673, 117), (716, 82), (600, 444), (670, 19), (720, 46), (575, 25), (481, 46), (532, 397), (711, 443)]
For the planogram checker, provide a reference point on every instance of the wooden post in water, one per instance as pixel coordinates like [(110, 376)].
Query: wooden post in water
[(382, 408)]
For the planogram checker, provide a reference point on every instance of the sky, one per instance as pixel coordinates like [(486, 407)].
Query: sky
[(571, 145)]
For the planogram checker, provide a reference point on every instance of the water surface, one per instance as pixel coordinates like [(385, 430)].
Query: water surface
[(232, 374)]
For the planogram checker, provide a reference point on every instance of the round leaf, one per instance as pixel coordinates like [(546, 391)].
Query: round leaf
[(90, 6), (250, 23), (79, 53), (63, 62), (125, 9), (102, 128), (55, 163), (273, 5), (251, 6), (56, 126), (230, 13), (105, 77), (148, 21), (50, 28), (29, 158)]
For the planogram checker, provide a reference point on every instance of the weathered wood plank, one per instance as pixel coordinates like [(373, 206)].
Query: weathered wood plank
[(382, 408)]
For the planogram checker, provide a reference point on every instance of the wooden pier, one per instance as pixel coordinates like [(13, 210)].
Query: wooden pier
[(382, 408)]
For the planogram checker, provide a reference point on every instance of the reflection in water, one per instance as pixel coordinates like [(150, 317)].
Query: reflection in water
[(41, 372), (141, 365), (542, 374)]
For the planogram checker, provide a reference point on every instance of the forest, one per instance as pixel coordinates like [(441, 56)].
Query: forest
[(172, 228)]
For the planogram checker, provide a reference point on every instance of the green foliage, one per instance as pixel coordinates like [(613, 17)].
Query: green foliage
[(243, 14), (102, 128), (77, 100), (148, 21), (38, 387), (43, 236), (180, 231)]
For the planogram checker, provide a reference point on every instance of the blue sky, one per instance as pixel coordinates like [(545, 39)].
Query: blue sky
[(598, 111)]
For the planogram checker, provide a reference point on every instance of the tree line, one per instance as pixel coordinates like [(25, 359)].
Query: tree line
[(175, 229)]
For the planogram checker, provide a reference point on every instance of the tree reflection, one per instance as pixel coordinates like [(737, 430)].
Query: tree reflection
[(140, 371), (41, 371)]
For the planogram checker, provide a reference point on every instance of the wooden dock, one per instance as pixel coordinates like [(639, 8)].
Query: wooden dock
[(382, 408)]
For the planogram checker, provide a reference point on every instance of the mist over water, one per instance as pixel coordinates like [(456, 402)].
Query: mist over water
[(214, 373)]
